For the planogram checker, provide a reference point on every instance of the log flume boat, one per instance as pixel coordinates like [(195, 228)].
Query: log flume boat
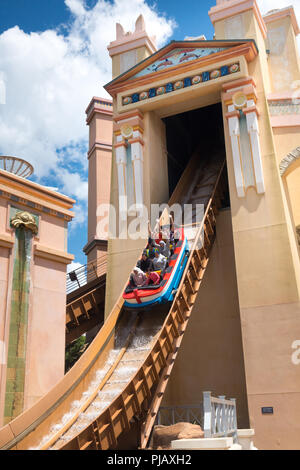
[(111, 396)]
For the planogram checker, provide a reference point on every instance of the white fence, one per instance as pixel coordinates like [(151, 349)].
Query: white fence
[(219, 416)]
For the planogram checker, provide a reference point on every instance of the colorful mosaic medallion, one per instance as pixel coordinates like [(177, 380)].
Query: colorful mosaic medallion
[(143, 95), (196, 79), (127, 100), (234, 68), (215, 74), (178, 85), (184, 83), (161, 90)]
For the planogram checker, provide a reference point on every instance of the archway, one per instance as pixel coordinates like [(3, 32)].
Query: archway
[(289, 168)]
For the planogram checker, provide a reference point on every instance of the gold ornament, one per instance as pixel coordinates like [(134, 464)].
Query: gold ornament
[(26, 220), (126, 131), (239, 100)]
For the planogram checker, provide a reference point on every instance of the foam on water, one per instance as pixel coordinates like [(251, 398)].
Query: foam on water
[(99, 375), (104, 398)]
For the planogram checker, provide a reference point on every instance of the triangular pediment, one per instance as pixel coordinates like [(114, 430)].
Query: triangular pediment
[(176, 55)]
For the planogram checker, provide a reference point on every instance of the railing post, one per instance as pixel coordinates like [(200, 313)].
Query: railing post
[(207, 414), (235, 437), (223, 416)]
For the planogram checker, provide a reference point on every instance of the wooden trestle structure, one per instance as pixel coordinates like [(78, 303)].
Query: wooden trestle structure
[(141, 395)]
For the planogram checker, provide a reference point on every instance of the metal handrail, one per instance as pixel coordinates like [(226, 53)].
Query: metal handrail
[(86, 273), (169, 415)]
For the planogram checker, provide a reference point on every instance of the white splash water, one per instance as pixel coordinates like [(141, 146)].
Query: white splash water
[(121, 375)]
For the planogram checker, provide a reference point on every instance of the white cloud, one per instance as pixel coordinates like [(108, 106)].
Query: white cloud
[(72, 266), (49, 80)]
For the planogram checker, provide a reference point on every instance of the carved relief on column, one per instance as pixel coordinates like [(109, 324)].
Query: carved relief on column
[(128, 130), (242, 114)]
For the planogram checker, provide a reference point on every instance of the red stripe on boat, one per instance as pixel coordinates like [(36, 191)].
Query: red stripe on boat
[(136, 295)]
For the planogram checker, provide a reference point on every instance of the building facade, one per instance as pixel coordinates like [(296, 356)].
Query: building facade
[(235, 96), (33, 260)]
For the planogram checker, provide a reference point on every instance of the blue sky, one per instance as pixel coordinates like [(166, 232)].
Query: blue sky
[(39, 15), (53, 59)]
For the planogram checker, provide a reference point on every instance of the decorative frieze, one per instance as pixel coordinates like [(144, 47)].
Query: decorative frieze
[(284, 107), (174, 86), (33, 205)]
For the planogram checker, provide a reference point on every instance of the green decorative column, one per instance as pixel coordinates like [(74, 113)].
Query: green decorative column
[(26, 225)]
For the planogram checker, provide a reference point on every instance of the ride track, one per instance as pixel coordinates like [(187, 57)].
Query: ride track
[(64, 415)]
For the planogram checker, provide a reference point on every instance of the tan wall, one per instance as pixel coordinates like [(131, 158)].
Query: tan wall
[(45, 351), (268, 272), (100, 160), (273, 380), (284, 58), (45, 362), (99, 188), (211, 354)]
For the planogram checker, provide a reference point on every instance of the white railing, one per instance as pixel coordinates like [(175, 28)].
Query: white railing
[(219, 416), (87, 273)]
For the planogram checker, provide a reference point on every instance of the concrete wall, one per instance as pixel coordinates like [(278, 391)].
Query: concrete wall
[(44, 343), (211, 354), (267, 266)]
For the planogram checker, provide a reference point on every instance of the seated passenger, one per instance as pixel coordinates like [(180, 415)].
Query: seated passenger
[(137, 278), (159, 262), (150, 252), (164, 248), (154, 279), (157, 233), (145, 263)]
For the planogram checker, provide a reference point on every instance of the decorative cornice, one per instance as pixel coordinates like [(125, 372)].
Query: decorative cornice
[(6, 241), (245, 85), (136, 140), (136, 113), (120, 47), (232, 114), (235, 7), (251, 109), (100, 146), (35, 196), (95, 243), (101, 106), (282, 13), (52, 255)]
